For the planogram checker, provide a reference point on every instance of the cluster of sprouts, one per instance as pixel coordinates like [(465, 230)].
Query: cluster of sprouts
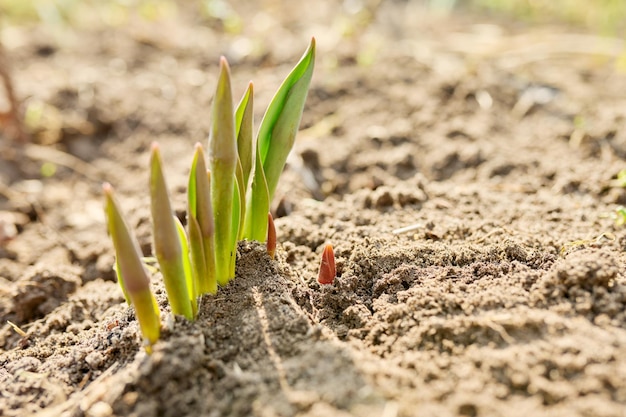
[(228, 200)]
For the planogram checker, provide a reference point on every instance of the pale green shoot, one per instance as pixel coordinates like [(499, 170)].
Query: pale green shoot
[(167, 242), (223, 163), (274, 142), (134, 278), (244, 124), (201, 225)]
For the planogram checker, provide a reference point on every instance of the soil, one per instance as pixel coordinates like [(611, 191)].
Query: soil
[(495, 146)]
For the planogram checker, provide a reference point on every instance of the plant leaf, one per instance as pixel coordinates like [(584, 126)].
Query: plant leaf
[(223, 162), (258, 204), (281, 120), (189, 278), (198, 263), (244, 125), (234, 236), (167, 243), (121, 281), (244, 121), (201, 229), (131, 270)]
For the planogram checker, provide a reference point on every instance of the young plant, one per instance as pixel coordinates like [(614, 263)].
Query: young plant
[(201, 226), (226, 203), (327, 272), (223, 161), (168, 243), (133, 277), (274, 141)]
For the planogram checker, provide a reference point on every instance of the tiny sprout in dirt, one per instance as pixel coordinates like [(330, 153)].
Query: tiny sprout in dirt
[(131, 272), (271, 236), (227, 201), (327, 270)]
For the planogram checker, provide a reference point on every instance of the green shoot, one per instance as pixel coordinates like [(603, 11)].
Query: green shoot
[(257, 204), (244, 124), (278, 129), (223, 162), (132, 272), (192, 288), (274, 142), (167, 241), (201, 225)]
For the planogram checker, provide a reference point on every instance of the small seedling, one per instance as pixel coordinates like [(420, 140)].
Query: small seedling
[(228, 202), (327, 272), (134, 278)]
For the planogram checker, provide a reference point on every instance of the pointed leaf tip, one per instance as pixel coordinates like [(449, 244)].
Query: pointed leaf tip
[(327, 270), (279, 126)]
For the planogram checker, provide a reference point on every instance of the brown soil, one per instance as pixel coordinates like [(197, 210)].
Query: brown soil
[(499, 143)]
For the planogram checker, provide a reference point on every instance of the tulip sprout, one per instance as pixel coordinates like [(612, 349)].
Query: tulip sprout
[(271, 236), (135, 282), (226, 203), (328, 271)]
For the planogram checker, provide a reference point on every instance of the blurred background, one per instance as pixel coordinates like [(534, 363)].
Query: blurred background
[(602, 16), (88, 73)]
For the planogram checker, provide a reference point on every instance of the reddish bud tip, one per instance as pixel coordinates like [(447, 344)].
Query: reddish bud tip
[(271, 236), (327, 266)]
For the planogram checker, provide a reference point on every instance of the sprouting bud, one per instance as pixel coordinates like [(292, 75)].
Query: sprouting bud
[(327, 271), (271, 236), (131, 271)]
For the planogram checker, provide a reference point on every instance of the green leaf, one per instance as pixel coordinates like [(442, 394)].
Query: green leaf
[(280, 123), (167, 243), (131, 270), (121, 281), (244, 122), (234, 236), (223, 162), (258, 205), (201, 224), (198, 263), (244, 127), (189, 278)]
